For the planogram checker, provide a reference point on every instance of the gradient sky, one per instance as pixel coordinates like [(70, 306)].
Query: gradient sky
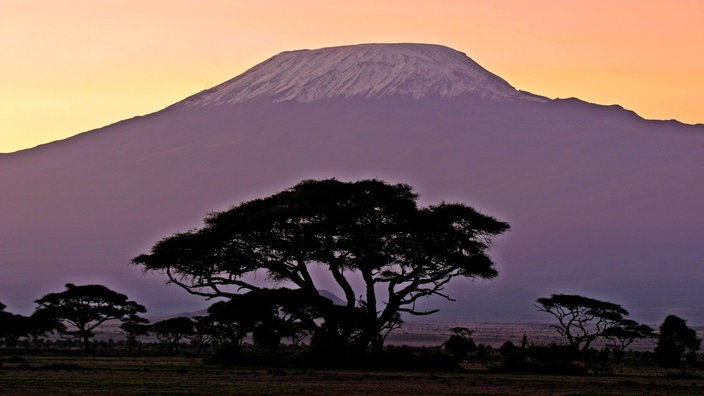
[(73, 65)]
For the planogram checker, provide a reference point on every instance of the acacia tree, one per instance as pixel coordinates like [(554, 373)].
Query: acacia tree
[(43, 322), (626, 332), (231, 321), (85, 307), (366, 230), (204, 332), (674, 338), (171, 331), (581, 320), (12, 327), (133, 328)]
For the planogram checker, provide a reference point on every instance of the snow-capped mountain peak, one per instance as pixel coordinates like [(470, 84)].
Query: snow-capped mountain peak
[(365, 70)]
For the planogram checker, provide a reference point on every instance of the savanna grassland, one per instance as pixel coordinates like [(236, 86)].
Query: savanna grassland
[(95, 375)]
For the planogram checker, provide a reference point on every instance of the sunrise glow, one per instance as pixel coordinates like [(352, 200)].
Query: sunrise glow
[(75, 65)]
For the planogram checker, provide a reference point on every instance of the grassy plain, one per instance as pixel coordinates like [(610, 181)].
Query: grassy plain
[(92, 375)]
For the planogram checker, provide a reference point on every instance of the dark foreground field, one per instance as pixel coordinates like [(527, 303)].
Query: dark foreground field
[(37, 375)]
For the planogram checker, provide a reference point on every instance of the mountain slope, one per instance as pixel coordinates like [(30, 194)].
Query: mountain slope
[(600, 201)]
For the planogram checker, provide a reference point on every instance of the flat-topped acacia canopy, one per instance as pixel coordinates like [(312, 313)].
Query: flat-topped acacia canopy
[(366, 230)]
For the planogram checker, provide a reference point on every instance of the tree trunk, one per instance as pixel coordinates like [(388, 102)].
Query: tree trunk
[(377, 344), (86, 342), (370, 333)]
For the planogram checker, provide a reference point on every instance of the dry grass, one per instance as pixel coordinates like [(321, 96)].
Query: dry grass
[(38, 375)]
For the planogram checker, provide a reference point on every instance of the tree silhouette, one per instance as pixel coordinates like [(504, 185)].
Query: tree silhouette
[(626, 332), (581, 320), (12, 327), (675, 337), (133, 328), (204, 332), (86, 307), (232, 320), (369, 236), (3, 320), (42, 322), (460, 343), (171, 331)]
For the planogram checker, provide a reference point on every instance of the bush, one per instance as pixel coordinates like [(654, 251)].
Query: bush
[(459, 346), (508, 348)]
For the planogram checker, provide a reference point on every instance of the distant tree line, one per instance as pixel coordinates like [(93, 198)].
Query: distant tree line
[(262, 318), (383, 252), (582, 320)]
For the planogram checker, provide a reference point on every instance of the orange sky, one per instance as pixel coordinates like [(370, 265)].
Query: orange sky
[(73, 65)]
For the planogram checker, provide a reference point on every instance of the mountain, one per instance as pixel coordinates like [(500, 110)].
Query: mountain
[(369, 71), (601, 202)]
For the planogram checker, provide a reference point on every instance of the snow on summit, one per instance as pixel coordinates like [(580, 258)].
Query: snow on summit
[(365, 70)]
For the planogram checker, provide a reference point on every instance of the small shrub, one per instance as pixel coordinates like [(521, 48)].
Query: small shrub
[(508, 348)]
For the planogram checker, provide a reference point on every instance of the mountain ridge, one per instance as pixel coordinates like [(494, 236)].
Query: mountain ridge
[(226, 93)]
